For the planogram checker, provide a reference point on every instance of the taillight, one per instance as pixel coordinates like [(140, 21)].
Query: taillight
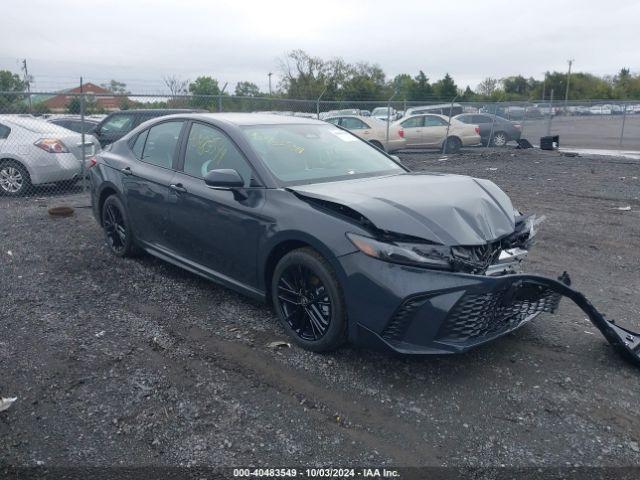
[(518, 126), (51, 145), (401, 133), (477, 129), (91, 162)]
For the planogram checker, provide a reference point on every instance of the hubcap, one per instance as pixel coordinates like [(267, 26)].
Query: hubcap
[(11, 179), (114, 228), (304, 302), (499, 140)]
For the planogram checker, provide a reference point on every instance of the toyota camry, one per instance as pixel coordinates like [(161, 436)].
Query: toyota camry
[(343, 240)]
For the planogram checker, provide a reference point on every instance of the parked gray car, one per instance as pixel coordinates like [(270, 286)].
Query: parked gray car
[(34, 152), (503, 130)]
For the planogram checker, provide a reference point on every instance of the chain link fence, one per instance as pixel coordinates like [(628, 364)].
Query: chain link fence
[(47, 139)]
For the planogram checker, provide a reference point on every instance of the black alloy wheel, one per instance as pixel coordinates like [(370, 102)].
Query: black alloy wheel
[(308, 300), (116, 227)]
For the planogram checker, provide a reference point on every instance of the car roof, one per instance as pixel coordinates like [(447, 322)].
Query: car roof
[(246, 119), (155, 110)]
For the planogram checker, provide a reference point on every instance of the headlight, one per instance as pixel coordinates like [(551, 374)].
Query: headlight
[(416, 254)]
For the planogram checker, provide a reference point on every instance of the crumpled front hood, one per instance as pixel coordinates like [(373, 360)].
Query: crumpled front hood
[(447, 209)]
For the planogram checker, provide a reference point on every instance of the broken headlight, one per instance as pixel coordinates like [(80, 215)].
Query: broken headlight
[(415, 254)]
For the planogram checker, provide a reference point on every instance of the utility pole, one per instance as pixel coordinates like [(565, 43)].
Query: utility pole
[(566, 93), (269, 75), (27, 81)]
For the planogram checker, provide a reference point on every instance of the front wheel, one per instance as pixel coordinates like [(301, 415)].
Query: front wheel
[(117, 229), (308, 300), (500, 139)]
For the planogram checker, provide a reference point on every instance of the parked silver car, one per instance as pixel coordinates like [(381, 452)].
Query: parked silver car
[(35, 152)]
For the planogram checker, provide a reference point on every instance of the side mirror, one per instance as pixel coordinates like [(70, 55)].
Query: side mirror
[(226, 178)]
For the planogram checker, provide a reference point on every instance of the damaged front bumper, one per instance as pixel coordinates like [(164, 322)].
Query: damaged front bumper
[(419, 311)]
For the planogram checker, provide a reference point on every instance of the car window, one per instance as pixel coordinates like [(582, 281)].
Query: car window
[(4, 131), (481, 119), (465, 118), (431, 121), (309, 153), (413, 122), (210, 149), (117, 124), (160, 147), (335, 120), (353, 124), (138, 145)]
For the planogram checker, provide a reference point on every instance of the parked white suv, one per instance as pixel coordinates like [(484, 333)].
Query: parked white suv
[(35, 152)]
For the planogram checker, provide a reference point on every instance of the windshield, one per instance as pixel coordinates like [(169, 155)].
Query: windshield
[(298, 154), (382, 111)]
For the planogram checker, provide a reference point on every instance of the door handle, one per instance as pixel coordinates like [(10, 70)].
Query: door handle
[(178, 187), (126, 171)]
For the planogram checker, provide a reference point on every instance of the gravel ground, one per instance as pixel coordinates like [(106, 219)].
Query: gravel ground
[(135, 362)]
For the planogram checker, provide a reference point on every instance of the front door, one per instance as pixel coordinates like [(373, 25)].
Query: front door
[(435, 131), (216, 229)]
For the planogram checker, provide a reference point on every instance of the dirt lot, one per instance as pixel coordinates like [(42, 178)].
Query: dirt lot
[(135, 362)]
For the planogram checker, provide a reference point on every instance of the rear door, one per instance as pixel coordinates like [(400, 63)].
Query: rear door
[(413, 131), (146, 183), (435, 130)]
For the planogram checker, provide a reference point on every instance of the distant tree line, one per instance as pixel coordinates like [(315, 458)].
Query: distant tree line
[(303, 76)]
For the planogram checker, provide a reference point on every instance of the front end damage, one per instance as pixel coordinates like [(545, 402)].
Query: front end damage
[(438, 272), (474, 295)]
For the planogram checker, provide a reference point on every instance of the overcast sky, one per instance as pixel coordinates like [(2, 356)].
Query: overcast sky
[(139, 41)]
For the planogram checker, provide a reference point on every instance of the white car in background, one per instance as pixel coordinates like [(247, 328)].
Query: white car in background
[(434, 131), (36, 152), (372, 130)]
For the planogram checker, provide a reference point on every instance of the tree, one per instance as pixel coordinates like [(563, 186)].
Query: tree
[(176, 88), (247, 89), (304, 76), (446, 88), (11, 82), (74, 106), (114, 86), (421, 88), (204, 90), (404, 85), (487, 87)]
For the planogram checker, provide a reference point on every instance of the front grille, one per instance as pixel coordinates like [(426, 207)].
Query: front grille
[(475, 259), (480, 315)]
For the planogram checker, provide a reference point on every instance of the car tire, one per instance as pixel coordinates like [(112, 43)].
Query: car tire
[(377, 144), (15, 180), (300, 277), (499, 139), (117, 228), (452, 145)]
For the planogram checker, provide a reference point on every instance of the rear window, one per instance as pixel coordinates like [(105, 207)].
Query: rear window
[(4, 131)]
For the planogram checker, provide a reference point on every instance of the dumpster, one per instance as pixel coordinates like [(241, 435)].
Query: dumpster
[(551, 142)]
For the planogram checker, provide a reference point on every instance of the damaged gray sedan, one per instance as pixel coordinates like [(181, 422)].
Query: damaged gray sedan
[(344, 241)]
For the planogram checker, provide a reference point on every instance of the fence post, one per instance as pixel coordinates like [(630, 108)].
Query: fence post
[(318, 103), (446, 136), (389, 118), (82, 138), (624, 120), (550, 113), (220, 97), (493, 124)]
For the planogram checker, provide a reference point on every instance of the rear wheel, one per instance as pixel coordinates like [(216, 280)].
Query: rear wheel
[(500, 139), (308, 300), (117, 229), (452, 145), (14, 178)]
